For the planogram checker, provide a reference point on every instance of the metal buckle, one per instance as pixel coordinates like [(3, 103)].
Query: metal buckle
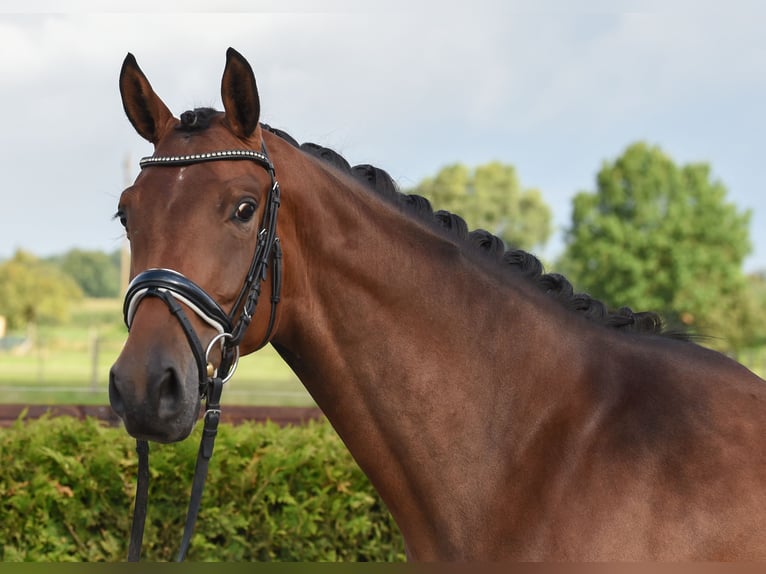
[(220, 338)]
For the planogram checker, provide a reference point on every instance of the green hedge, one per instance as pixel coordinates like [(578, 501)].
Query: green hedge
[(293, 493)]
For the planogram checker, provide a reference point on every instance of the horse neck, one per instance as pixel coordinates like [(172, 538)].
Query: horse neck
[(417, 353)]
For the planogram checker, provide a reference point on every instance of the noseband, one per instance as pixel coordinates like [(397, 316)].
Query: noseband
[(174, 288)]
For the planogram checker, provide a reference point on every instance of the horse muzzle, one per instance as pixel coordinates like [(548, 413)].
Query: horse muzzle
[(156, 384), (156, 402)]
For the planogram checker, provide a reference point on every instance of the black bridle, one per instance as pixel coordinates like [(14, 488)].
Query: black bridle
[(173, 288)]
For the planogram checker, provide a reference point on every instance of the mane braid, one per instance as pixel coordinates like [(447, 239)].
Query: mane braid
[(556, 286)]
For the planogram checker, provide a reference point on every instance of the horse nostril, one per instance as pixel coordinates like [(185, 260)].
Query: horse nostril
[(115, 398), (170, 391)]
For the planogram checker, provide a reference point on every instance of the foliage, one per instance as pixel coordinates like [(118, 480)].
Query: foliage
[(656, 236), (490, 197), (754, 308), (97, 273), (293, 493), (34, 291)]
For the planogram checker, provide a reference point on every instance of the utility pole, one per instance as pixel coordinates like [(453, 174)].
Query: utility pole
[(125, 248)]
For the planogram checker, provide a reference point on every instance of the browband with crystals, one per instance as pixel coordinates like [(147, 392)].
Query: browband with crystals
[(200, 157)]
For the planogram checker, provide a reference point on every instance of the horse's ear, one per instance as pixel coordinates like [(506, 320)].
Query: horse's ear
[(145, 110), (240, 95)]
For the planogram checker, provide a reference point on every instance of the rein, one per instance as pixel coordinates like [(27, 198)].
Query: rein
[(174, 288)]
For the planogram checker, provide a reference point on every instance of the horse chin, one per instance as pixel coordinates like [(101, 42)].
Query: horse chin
[(164, 432)]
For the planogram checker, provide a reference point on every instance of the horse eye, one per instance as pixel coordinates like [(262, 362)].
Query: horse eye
[(123, 219), (245, 210)]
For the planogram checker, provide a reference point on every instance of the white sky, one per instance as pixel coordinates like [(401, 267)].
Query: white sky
[(409, 86)]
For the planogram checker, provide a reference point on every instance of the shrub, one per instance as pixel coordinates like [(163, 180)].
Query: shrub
[(292, 493)]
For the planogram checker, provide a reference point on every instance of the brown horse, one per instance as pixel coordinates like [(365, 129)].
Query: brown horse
[(495, 422)]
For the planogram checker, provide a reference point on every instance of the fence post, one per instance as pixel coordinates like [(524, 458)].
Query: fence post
[(95, 344)]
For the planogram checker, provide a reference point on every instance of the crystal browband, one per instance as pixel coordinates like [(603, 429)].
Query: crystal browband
[(200, 157)]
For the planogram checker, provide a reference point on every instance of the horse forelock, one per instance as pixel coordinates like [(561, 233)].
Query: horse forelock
[(197, 119)]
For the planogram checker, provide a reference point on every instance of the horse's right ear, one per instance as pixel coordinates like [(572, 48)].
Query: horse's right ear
[(240, 95), (145, 110)]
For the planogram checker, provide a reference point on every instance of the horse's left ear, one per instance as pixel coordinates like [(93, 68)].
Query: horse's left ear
[(240, 95)]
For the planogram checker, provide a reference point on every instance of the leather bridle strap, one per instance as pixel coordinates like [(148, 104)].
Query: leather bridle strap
[(142, 496), (205, 453), (171, 287)]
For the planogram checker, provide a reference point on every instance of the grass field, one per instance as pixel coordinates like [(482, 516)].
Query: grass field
[(69, 364)]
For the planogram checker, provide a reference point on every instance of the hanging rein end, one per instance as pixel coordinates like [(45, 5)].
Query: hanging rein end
[(142, 496), (212, 393)]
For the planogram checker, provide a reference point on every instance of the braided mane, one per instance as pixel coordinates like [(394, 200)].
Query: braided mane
[(554, 285)]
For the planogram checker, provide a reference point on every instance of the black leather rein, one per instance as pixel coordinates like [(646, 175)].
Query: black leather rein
[(173, 288)]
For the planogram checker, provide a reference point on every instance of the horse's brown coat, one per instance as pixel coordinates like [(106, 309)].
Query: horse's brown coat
[(493, 423)]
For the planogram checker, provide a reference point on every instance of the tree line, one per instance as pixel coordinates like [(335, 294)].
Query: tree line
[(652, 235), (42, 290)]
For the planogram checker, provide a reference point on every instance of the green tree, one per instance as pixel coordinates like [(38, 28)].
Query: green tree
[(754, 311), (656, 236), (33, 291), (490, 197), (97, 273)]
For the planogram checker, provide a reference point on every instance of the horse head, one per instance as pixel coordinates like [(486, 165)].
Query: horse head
[(201, 220)]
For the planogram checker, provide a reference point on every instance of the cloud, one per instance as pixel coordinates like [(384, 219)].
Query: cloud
[(552, 87)]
